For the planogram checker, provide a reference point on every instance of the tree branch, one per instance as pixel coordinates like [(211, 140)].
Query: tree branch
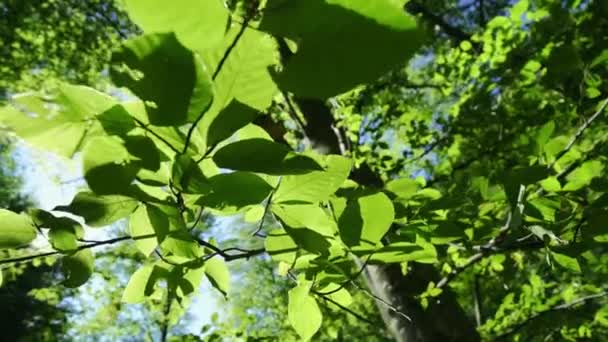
[(579, 132), (564, 306), (215, 74)]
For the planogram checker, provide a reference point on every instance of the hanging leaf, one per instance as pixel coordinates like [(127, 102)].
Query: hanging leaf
[(78, 268), (217, 272), (106, 165), (64, 233), (366, 220), (233, 117), (260, 155), (338, 295), (308, 216), (188, 177), (15, 230), (231, 192), (171, 232), (175, 85), (99, 211), (337, 39), (303, 311), (139, 228), (141, 284), (403, 188), (280, 246), (243, 86), (314, 186), (197, 32), (40, 123), (566, 261)]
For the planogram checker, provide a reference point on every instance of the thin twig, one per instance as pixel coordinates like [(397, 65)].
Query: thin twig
[(579, 133), (347, 310), (351, 279), (82, 247), (156, 135), (215, 74), (564, 306), (385, 303), (266, 208)]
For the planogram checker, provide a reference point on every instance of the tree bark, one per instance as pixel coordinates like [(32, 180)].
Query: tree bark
[(443, 319)]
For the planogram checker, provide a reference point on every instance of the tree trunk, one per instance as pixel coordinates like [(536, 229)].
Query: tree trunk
[(443, 319)]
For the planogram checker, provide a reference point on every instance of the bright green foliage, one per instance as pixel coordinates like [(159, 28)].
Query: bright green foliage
[(270, 158), (504, 127), (218, 274), (196, 32), (99, 211), (171, 80), (16, 231), (303, 311), (337, 39), (45, 41), (366, 219), (78, 267)]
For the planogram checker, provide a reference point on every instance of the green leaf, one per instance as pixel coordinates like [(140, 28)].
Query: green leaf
[(64, 233), (107, 167), (139, 226), (232, 118), (566, 261), (254, 214), (314, 186), (303, 312), (15, 230), (172, 234), (135, 292), (243, 86), (198, 32), (551, 184), (280, 246), (34, 120), (231, 192), (402, 188), (401, 251), (175, 84), (217, 272), (143, 152), (306, 216), (188, 177), (264, 156), (99, 211), (337, 39), (366, 220), (583, 175), (341, 296), (78, 268), (116, 121)]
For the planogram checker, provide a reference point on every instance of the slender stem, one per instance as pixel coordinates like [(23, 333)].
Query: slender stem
[(215, 74), (580, 132), (347, 310), (266, 208), (82, 247), (145, 127), (564, 306)]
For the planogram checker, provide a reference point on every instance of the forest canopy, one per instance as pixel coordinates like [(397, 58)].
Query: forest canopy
[(334, 169)]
